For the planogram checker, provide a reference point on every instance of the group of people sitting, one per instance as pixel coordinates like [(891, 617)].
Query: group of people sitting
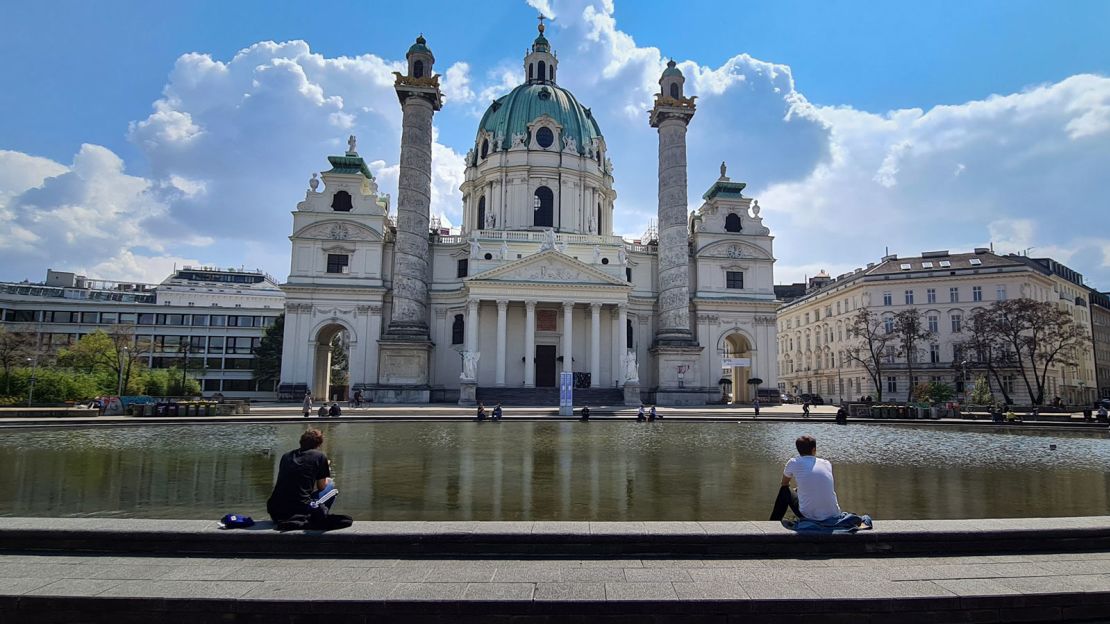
[(324, 412)]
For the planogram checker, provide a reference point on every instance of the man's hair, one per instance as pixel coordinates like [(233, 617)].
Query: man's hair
[(805, 445), (311, 438)]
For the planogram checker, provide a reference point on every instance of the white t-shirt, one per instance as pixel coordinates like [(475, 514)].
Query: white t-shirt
[(816, 496)]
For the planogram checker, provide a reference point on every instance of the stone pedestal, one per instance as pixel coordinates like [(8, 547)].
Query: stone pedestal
[(632, 395), (403, 371), (468, 393), (678, 374)]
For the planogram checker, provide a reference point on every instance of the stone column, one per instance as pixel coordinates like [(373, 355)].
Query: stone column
[(568, 336), (622, 342), (595, 345), (673, 323), (502, 309), (529, 344), (410, 251), (472, 325)]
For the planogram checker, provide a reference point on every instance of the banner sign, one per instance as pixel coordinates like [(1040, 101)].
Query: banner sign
[(566, 389), (736, 362)]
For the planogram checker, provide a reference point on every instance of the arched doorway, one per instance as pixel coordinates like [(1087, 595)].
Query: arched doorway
[(331, 363), (737, 346)]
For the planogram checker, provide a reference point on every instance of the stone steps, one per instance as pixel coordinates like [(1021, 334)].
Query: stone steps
[(549, 396)]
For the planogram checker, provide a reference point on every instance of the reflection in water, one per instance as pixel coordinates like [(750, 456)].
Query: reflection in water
[(554, 470)]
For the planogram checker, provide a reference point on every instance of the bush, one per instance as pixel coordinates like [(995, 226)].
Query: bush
[(933, 392), (54, 385)]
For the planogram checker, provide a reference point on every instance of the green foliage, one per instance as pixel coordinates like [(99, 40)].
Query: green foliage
[(981, 392), (53, 386), (267, 358), (167, 382), (933, 392), (338, 360)]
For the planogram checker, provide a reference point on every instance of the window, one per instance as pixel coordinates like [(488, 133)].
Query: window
[(200, 320), (957, 323), (109, 318), (931, 295), (892, 384), (945, 264), (628, 333), (909, 297), (888, 324), (418, 69), (197, 343), (545, 137), (828, 310), (543, 202), (215, 344), (218, 320), (341, 201), (175, 319), (954, 294), (541, 68), (239, 363), (127, 318), (337, 263), (838, 307), (238, 385), (926, 265), (675, 93), (484, 151), (934, 353), (1000, 292), (976, 293), (628, 274), (975, 261), (480, 218), (531, 71), (732, 222), (551, 72), (146, 318), (461, 267), (905, 266), (734, 279), (457, 330), (1008, 383), (90, 317), (933, 323)]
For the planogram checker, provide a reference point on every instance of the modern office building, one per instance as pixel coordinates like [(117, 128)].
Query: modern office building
[(213, 317)]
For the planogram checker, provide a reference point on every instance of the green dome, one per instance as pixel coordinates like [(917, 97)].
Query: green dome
[(671, 70), (419, 46), (511, 114)]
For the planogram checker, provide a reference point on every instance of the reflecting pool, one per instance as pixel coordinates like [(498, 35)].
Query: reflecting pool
[(554, 470)]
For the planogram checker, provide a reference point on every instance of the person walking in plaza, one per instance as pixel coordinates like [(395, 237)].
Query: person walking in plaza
[(497, 411), (755, 405), (304, 492), (805, 409), (307, 404), (814, 502)]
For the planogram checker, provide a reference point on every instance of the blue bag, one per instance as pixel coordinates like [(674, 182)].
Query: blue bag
[(235, 521)]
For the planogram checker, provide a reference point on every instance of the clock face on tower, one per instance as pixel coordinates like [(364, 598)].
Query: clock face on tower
[(339, 232)]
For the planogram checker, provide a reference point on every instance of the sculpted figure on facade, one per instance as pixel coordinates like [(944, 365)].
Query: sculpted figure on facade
[(314, 183), (475, 246), (569, 144), (597, 254), (351, 143), (631, 368), (518, 141), (504, 250), (622, 255), (491, 221), (548, 240), (470, 365), (755, 208)]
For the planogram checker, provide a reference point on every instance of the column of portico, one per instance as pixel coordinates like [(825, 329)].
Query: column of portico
[(502, 309), (530, 344), (568, 337), (472, 325), (622, 343), (595, 344)]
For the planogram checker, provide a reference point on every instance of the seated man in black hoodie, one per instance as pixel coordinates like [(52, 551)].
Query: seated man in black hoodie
[(304, 492)]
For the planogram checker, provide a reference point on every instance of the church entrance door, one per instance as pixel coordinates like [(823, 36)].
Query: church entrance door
[(545, 366)]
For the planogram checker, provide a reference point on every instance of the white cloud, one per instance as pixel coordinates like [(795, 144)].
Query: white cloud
[(456, 84)]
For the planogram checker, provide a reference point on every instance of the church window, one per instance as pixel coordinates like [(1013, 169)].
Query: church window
[(457, 330), (732, 222), (628, 333), (545, 137), (551, 73), (341, 201), (418, 69), (531, 71), (605, 261), (542, 67), (674, 90), (480, 223), (462, 268), (599, 219), (339, 263), (734, 279), (488, 256), (485, 148), (544, 207), (628, 274)]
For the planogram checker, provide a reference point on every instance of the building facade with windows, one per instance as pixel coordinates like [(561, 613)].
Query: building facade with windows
[(536, 282), (1100, 335), (214, 318), (814, 336)]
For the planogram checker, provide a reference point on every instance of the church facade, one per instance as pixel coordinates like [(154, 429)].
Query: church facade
[(536, 282)]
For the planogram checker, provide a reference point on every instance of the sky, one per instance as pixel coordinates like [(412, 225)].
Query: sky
[(139, 136)]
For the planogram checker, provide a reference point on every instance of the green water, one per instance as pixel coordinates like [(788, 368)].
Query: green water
[(554, 470)]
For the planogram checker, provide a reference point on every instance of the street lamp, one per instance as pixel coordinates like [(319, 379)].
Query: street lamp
[(120, 358), (963, 373), (31, 389)]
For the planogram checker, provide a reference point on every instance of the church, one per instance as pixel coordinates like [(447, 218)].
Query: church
[(536, 282)]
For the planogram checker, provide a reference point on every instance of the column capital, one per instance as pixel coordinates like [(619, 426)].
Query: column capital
[(473, 303), (568, 305), (596, 307), (530, 304), (502, 305)]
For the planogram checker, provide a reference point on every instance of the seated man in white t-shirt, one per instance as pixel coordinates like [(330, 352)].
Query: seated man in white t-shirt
[(816, 497)]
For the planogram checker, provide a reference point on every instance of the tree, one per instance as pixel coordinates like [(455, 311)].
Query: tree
[(873, 338), (908, 332), (339, 359), (981, 392), (984, 348), (1040, 335), (933, 392), (14, 349), (99, 352), (267, 358)]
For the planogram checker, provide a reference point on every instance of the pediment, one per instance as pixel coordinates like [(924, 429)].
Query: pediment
[(339, 230), (733, 249), (548, 267)]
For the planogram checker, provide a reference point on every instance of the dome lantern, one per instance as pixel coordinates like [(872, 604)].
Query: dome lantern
[(540, 64), (420, 59), (672, 81)]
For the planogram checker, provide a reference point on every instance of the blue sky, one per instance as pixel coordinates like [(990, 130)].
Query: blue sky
[(934, 124)]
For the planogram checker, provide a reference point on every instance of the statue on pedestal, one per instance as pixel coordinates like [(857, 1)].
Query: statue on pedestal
[(351, 142), (470, 365), (597, 254), (622, 255), (631, 368), (504, 250), (475, 246)]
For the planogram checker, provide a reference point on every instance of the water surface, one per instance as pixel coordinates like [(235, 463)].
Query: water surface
[(554, 470)]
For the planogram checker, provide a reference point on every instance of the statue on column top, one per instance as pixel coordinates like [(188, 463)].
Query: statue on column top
[(351, 141), (723, 168)]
